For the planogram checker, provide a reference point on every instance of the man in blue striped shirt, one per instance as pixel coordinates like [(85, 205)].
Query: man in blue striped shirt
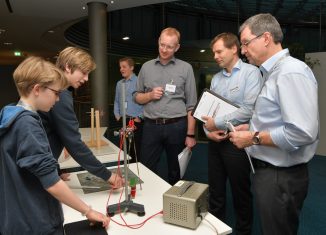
[(240, 83), (284, 129)]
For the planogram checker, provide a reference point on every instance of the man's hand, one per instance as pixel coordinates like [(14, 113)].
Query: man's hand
[(156, 93), (217, 136), (242, 127), (241, 139), (116, 181), (190, 142), (210, 124), (65, 176), (137, 119)]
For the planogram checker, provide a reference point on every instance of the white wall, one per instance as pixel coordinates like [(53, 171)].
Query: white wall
[(320, 74)]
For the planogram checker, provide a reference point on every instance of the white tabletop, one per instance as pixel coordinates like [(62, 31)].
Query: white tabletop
[(105, 154), (151, 196)]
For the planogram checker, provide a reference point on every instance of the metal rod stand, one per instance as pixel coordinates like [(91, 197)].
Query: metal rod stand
[(128, 204)]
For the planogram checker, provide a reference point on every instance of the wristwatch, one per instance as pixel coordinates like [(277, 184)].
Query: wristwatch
[(256, 138)]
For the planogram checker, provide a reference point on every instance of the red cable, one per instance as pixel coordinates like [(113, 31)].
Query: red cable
[(132, 226), (135, 226)]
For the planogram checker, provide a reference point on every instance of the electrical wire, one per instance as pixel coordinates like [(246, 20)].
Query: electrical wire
[(136, 226), (212, 225), (124, 224)]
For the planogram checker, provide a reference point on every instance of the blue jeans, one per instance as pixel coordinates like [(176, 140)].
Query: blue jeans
[(169, 137)]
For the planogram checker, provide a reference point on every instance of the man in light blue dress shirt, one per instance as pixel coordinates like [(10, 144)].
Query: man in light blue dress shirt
[(284, 129), (134, 111), (240, 83)]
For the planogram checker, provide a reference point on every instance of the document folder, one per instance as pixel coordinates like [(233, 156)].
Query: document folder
[(212, 105)]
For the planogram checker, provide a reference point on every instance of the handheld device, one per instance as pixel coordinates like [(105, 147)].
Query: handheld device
[(231, 128)]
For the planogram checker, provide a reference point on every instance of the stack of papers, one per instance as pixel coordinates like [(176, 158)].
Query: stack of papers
[(184, 158)]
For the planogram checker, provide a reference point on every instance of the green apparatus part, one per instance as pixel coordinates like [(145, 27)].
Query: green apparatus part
[(132, 184)]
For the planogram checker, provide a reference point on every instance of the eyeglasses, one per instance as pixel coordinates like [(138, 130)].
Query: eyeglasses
[(167, 47), (56, 92), (248, 42)]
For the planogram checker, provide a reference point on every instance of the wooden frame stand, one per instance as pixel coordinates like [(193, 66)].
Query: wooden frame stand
[(97, 141)]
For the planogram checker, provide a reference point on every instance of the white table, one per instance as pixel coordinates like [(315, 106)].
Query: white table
[(151, 197), (105, 154)]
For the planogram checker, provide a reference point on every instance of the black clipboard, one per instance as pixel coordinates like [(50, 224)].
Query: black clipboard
[(212, 105), (83, 227)]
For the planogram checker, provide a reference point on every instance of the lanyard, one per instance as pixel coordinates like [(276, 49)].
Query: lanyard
[(25, 106)]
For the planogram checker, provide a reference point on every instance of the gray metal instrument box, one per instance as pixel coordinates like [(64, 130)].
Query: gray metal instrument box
[(185, 204)]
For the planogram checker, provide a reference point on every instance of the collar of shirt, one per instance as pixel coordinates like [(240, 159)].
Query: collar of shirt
[(173, 60), (268, 65), (132, 78), (236, 67)]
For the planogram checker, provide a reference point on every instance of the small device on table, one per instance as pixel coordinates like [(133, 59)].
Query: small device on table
[(185, 204)]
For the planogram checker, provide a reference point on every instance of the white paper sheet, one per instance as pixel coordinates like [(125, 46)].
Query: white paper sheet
[(184, 158)]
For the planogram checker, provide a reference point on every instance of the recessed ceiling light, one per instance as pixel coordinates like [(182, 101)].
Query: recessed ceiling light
[(84, 8), (202, 51), (7, 43), (112, 2), (51, 31), (126, 38), (17, 53)]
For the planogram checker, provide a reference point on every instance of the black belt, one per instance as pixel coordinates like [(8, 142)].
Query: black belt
[(163, 121), (262, 164), (131, 117)]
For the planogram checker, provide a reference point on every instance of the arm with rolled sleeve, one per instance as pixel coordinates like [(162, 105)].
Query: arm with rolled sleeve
[(298, 100)]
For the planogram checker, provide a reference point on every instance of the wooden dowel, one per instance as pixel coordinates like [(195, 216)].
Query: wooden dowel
[(92, 126), (98, 129)]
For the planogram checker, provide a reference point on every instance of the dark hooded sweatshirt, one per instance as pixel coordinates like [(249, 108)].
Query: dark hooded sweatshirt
[(27, 168)]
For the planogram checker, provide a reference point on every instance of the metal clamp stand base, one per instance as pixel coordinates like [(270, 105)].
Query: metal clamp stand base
[(126, 206)]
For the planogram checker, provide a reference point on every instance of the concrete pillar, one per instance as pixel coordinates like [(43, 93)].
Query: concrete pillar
[(97, 25)]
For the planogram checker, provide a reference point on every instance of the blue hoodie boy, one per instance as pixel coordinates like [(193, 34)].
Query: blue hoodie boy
[(27, 169)]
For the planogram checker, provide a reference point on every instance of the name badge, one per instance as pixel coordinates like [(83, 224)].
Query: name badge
[(234, 89), (170, 88)]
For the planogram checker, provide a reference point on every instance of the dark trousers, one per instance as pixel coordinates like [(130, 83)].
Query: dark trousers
[(279, 194), (59, 231), (225, 161), (169, 137)]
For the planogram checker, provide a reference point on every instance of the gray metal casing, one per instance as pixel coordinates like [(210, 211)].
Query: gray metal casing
[(186, 210)]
